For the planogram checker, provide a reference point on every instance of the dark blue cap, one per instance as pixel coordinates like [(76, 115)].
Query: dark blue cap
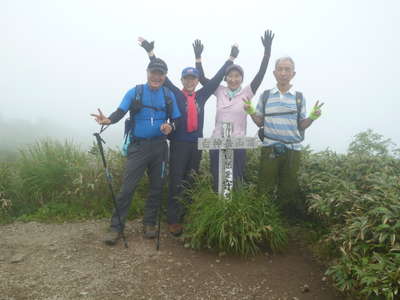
[(190, 71)]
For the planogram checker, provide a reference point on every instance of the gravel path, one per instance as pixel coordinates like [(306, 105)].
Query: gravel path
[(69, 261)]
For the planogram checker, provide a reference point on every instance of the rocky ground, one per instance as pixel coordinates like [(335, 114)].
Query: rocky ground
[(69, 261)]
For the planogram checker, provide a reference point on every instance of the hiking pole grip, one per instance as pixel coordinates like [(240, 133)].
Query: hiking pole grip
[(100, 142)]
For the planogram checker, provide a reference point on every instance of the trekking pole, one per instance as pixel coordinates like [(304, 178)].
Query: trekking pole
[(100, 142), (160, 207)]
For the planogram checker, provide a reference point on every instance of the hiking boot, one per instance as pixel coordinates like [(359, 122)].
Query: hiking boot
[(175, 229), (149, 231), (111, 237)]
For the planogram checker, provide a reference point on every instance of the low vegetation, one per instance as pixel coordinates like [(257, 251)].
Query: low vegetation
[(352, 201)]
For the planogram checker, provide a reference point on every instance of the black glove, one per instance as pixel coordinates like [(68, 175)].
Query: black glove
[(147, 46), (198, 48), (267, 41), (234, 51)]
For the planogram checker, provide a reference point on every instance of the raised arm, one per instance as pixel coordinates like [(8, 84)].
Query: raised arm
[(198, 49), (267, 42), (209, 88), (149, 47)]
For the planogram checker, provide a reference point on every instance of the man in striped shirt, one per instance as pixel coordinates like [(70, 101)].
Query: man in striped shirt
[(281, 112)]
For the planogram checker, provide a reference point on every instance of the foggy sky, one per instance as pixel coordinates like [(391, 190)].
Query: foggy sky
[(61, 60)]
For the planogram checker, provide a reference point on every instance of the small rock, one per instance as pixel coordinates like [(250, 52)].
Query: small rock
[(305, 288), (324, 279), (186, 245), (83, 293), (17, 258), (217, 261), (295, 298)]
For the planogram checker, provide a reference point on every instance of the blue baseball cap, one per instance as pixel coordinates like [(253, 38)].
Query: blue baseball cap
[(190, 71)]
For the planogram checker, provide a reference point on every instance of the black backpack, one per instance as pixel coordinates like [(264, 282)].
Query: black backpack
[(137, 105), (299, 104)]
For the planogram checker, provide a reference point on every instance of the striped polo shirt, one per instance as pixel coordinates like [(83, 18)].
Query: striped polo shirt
[(282, 127)]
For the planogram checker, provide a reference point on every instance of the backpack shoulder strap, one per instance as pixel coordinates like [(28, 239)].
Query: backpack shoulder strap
[(167, 94), (265, 97), (136, 104), (299, 104), (168, 101), (299, 101), (139, 92)]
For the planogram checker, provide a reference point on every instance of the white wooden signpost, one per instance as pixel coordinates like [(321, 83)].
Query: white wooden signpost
[(225, 144)]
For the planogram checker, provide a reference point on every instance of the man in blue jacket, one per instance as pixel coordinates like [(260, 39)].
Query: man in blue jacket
[(148, 149), (184, 154)]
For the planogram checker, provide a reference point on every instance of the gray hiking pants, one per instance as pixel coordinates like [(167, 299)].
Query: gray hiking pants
[(143, 154)]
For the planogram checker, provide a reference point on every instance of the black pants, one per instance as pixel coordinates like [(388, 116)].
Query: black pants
[(184, 160), (150, 155), (239, 164)]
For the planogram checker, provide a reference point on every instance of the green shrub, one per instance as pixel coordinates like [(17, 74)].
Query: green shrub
[(356, 196), (241, 224)]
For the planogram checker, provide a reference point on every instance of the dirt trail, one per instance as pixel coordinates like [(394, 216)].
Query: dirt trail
[(69, 261)]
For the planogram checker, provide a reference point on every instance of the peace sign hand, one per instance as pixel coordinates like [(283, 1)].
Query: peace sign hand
[(316, 111), (100, 118), (248, 107)]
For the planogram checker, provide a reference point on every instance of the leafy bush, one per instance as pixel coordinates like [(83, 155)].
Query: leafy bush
[(356, 196), (241, 224)]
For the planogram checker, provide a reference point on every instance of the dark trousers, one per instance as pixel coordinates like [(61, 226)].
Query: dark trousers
[(239, 164), (150, 155), (184, 160), (280, 172)]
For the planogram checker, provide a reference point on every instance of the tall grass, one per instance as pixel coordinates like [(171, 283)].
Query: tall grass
[(57, 181), (242, 224)]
